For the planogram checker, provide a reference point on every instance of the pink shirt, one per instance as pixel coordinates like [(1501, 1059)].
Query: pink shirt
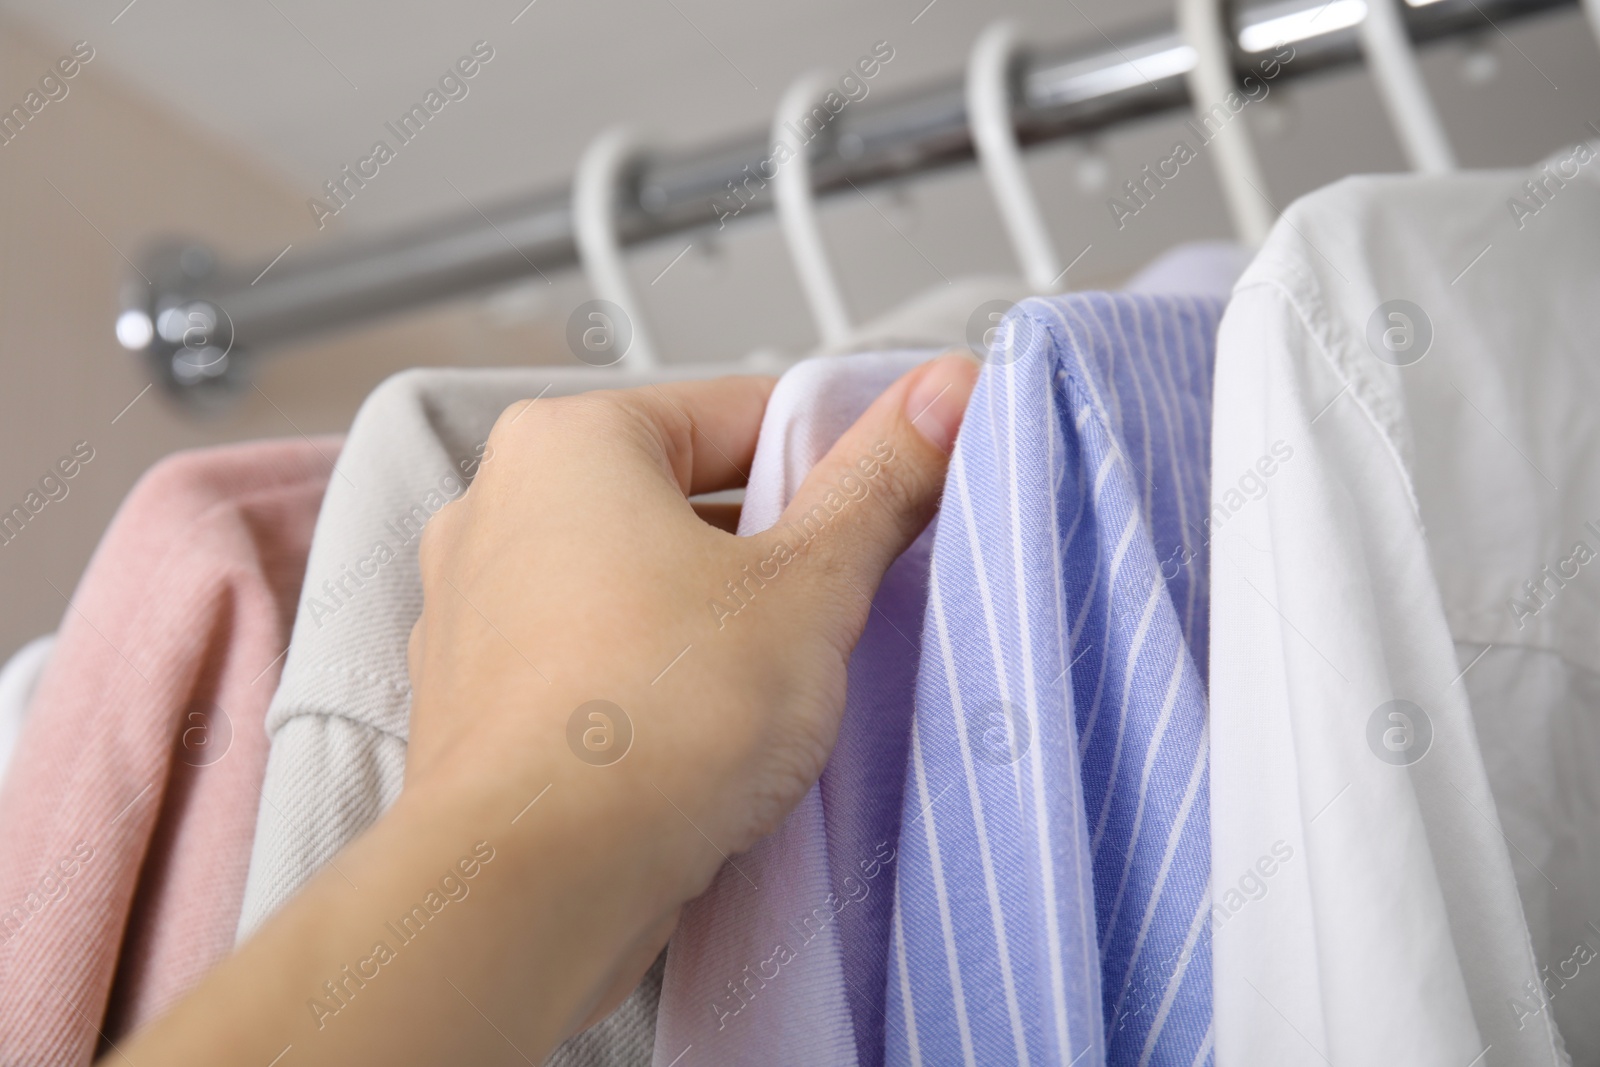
[(127, 816)]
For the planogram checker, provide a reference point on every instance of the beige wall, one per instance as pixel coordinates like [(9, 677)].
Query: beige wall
[(134, 173)]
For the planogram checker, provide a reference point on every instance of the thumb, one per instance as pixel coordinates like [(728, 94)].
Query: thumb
[(878, 487)]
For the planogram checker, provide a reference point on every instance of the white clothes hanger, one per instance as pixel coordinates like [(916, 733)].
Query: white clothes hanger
[(994, 137), (1393, 63), (594, 190), (1200, 23), (797, 209)]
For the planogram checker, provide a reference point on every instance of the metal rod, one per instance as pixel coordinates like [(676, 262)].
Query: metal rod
[(1060, 94)]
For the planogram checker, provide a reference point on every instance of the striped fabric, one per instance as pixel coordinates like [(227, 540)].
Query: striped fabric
[(1054, 864)]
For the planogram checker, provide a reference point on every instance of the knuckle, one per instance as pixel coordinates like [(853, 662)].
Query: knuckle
[(527, 426), (835, 561), (604, 412), (901, 489), (624, 416), (414, 644), (426, 550), (520, 421), (606, 409), (436, 535), (510, 421)]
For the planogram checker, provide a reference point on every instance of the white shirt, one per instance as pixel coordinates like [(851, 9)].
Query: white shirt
[(804, 1019), (18, 679), (1384, 881)]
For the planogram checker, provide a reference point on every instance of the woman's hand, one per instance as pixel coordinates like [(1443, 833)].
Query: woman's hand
[(611, 695), (576, 570)]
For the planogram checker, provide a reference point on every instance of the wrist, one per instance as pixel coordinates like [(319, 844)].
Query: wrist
[(610, 834)]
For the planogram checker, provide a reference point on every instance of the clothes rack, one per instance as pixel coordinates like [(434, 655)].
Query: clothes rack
[(197, 320)]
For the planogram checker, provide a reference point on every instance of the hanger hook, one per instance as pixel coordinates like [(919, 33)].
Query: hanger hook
[(994, 137), (594, 226), (1393, 62), (1203, 26), (797, 206)]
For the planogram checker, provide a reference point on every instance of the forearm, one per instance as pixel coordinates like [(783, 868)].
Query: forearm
[(492, 928)]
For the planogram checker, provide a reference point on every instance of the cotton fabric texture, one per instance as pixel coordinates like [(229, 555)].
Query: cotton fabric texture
[(1054, 854), (1405, 612), (127, 814)]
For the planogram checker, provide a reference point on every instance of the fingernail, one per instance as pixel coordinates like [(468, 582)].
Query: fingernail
[(937, 400)]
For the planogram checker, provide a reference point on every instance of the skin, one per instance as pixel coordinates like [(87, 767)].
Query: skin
[(576, 569)]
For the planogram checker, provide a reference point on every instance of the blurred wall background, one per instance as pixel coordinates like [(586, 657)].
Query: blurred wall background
[(220, 121)]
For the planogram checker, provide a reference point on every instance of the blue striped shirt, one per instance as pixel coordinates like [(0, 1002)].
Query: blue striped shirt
[(1054, 865)]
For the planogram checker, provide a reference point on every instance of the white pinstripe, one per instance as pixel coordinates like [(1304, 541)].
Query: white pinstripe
[(1097, 373), (1158, 589), (1175, 982), (1152, 751), (1041, 818), (991, 885), (941, 893), (1196, 773)]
